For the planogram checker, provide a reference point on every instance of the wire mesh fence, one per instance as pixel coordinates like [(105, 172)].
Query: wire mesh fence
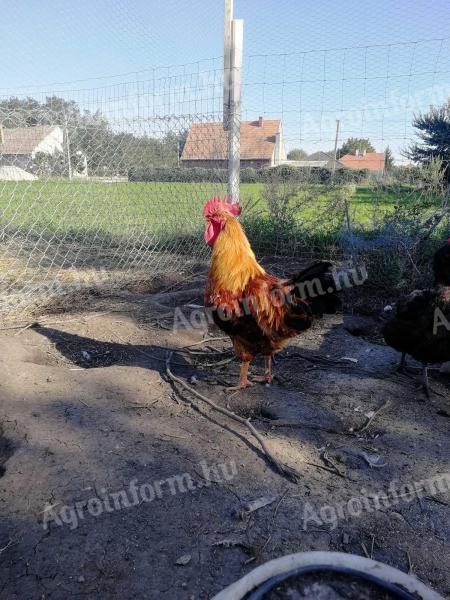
[(102, 186), (90, 195)]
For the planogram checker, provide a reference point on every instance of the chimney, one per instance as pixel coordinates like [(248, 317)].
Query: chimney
[(260, 122), (356, 152), (364, 152), (2, 136)]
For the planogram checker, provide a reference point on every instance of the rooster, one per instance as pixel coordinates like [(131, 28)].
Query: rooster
[(420, 325), (257, 310)]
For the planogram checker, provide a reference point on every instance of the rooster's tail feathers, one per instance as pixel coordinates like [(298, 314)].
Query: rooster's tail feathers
[(319, 286)]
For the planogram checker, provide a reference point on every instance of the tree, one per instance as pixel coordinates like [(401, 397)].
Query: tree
[(90, 134), (28, 112), (434, 133), (297, 154), (388, 159), (354, 144)]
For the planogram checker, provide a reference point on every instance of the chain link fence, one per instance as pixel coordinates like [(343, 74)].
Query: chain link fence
[(102, 187), (93, 193)]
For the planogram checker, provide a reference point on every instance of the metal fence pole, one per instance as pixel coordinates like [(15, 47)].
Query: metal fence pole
[(234, 120), (67, 147), (333, 169), (348, 219)]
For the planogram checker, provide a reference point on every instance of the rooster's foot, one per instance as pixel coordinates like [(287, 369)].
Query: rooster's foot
[(241, 386), (426, 384), (404, 368), (267, 379)]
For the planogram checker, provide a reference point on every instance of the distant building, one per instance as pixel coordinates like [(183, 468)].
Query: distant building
[(317, 160), (262, 145), (19, 146), (371, 161), (12, 173)]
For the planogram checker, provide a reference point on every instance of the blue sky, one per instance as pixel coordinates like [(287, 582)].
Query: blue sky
[(374, 91)]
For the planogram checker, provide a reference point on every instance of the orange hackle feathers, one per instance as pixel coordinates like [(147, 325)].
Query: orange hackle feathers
[(235, 273), (233, 262)]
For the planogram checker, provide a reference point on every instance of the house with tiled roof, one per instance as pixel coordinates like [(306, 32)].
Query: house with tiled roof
[(262, 145), (370, 161), (20, 145)]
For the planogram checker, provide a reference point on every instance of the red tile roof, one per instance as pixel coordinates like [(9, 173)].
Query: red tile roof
[(24, 140), (208, 141), (372, 161)]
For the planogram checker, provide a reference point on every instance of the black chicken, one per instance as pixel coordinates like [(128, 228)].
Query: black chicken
[(420, 326)]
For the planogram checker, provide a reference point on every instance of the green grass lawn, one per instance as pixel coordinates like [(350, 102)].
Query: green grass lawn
[(116, 208), (57, 230), (119, 209)]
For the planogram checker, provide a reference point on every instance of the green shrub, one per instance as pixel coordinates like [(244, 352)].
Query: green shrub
[(282, 173)]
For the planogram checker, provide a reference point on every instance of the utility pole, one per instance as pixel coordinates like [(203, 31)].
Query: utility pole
[(233, 43), (333, 170)]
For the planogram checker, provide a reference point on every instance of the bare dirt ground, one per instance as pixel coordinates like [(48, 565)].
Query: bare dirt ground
[(87, 409)]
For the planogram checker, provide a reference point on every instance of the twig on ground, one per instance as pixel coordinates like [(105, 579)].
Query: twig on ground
[(324, 468), (434, 499), (284, 423), (331, 362), (313, 358), (363, 546), (176, 397), (22, 329), (205, 340), (288, 472), (177, 437), (410, 565), (147, 406), (233, 543), (203, 353), (263, 547), (282, 497), (254, 505), (10, 543), (220, 363), (83, 318), (208, 480), (159, 323), (329, 463), (13, 327), (370, 419)]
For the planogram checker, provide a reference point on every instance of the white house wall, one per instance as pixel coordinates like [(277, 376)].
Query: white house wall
[(279, 152), (52, 143)]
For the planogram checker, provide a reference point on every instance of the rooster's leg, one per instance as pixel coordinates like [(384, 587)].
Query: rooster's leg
[(243, 378), (402, 366), (426, 385), (402, 363), (267, 378)]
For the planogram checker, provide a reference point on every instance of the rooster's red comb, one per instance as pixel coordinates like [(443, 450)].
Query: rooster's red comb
[(216, 205)]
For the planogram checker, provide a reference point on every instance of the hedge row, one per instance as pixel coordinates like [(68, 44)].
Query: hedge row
[(248, 175)]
